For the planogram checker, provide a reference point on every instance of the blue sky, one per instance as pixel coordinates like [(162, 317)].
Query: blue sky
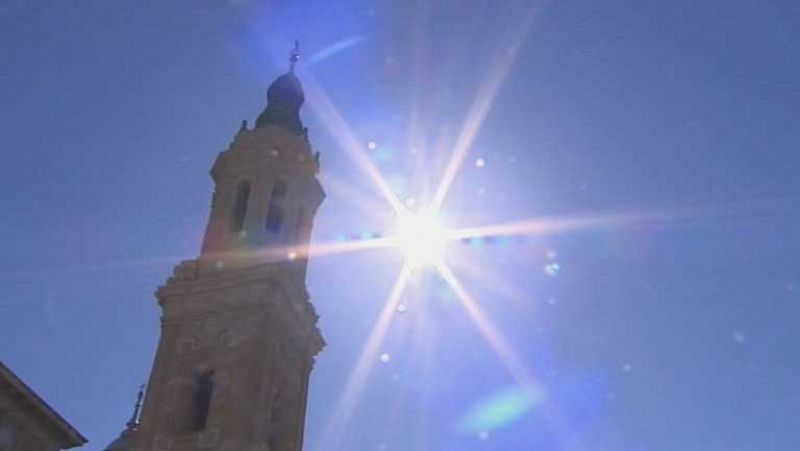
[(673, 334)]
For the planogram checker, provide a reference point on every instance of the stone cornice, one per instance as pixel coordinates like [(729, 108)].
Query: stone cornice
[(271, 284), (269, 149)]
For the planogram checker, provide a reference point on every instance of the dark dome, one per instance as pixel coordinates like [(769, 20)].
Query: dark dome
[(284, 98), (286, 93)]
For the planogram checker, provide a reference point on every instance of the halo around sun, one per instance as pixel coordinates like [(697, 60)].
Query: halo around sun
[(421, 237)]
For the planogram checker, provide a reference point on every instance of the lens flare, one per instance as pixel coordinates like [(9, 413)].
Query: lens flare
[(508, 356), (333, 49), (421, 237), (499, 409)]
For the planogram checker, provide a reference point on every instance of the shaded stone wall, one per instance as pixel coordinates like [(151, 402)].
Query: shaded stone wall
[(22, 428)]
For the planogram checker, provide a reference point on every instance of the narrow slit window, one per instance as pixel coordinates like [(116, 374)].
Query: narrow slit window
[(240, 207), (274, 209), (201, 400), (274, 218)]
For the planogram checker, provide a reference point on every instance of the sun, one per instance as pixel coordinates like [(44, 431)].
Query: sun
[(421, 237)]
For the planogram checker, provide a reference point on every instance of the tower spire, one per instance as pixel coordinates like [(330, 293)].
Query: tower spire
[(284, 98), (134, 421), (242, 302), (294, 57)]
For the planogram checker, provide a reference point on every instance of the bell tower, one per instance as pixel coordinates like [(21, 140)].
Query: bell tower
[(238, 335)]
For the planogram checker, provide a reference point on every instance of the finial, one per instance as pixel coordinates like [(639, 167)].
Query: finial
[(243, 127), (295, 56), (134, 421)]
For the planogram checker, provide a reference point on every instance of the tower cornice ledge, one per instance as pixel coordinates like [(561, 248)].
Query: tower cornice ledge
[(190, 293), (271, 149)]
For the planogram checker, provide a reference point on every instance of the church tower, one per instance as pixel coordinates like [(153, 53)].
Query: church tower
[(238, 335)]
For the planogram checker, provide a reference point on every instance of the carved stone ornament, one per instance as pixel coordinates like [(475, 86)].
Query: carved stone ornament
[(211, 332)]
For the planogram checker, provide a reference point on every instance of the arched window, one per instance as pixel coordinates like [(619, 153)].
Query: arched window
[(239, 212), (201, 399), (275, 208)]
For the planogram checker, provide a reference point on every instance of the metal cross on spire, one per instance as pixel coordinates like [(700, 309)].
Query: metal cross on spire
[(295, 56)]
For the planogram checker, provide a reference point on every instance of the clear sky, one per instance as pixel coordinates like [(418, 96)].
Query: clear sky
[(674, 333)]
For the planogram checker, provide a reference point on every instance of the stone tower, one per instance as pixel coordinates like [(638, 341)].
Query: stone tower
[(238, 335)]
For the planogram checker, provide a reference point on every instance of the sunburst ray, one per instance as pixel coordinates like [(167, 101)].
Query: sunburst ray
[(323, 107), (497, 72), (498, 284), (542, 226), (508, 357), (343, 409)]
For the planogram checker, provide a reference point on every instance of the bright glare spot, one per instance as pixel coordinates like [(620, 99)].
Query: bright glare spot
[(292, 255), (410, 202), (626, 368), (480, 162), (372, 145), (384, 357), (552, 269), (483, 435), (401, 308), (421, 237)]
